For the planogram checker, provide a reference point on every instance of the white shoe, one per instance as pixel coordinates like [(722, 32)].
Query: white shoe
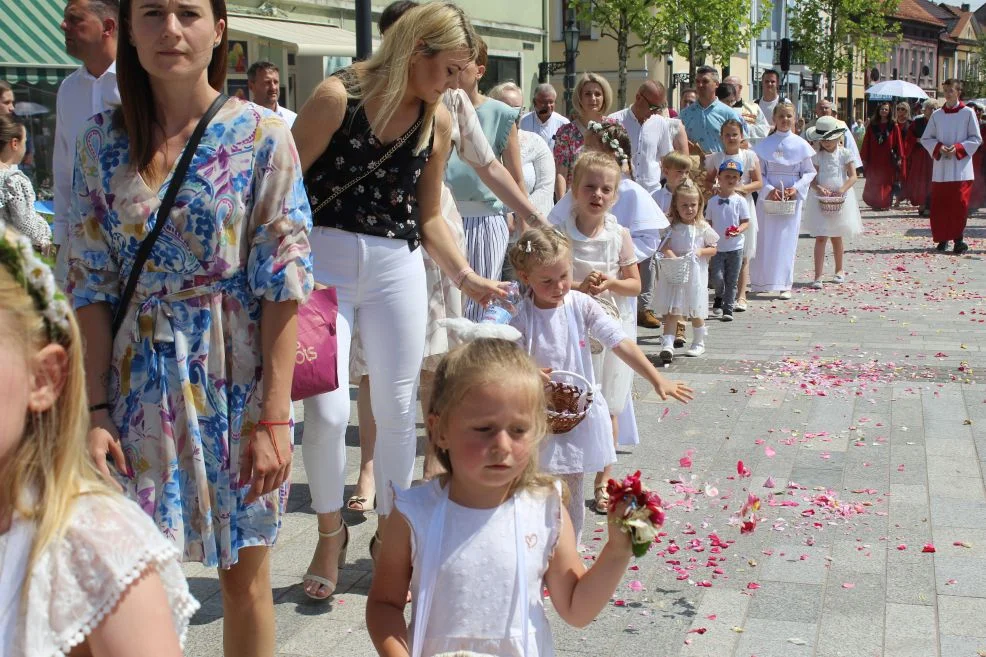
[(717, 312), (697, 349), (839, 278), (816, 284), (786, 294)]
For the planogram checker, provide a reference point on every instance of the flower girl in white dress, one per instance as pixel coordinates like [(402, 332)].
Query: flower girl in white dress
[(81, 567)]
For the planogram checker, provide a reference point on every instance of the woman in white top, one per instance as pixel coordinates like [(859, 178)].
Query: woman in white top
[(535, 156)]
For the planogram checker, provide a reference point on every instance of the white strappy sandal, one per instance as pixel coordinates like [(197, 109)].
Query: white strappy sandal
[(323, 581)]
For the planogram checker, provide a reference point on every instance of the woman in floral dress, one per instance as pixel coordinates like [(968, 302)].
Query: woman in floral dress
[(593, 98), (192, 397)]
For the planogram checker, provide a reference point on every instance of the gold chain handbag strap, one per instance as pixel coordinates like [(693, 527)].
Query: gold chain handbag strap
[(373, 166)]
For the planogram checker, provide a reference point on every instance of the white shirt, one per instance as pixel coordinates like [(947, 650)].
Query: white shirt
[(286, 114), (949, 129), (767, 107), (755, 119), (650, 142), (80, 96), (546, 130), (722, 213)]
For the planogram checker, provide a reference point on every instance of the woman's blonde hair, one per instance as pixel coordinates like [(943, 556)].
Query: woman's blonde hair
[(485, 362), (51, 461), (687, 188), (539, 247), (595, 160), (577, 94), (429, 29)]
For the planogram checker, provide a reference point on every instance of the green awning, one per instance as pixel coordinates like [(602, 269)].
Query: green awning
[(32, 47)]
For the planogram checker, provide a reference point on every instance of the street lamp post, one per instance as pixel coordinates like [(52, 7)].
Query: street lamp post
[(571, 36)]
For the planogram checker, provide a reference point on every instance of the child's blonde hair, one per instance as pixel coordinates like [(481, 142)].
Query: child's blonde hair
[(594, 160), (51, 460), (687, 188), (484, 362), (538, 247), (677, 162)]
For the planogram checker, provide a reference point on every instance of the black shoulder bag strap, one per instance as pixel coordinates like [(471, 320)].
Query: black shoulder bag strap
[(164, 210)]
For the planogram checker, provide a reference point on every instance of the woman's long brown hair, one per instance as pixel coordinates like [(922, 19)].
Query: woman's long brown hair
[(136, 115)]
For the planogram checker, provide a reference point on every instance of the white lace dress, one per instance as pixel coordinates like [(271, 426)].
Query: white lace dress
[(79, 579), (607, 252), (832, 175), (17, 207), (691, 299), (464, 582)]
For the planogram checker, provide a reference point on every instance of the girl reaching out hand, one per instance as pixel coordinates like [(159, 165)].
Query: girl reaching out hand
[(475, 546)]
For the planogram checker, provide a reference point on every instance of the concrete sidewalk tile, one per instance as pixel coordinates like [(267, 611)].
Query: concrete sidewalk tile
[(910, 631), (777, 638), (958, 513), (859, 557), (910, 577), (962, 616), (962, 645), (786, 564), (960, 575), (958, 488), (855, 634), (797, 603)]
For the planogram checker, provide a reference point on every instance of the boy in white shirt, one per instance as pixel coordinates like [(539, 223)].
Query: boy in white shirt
[(729, 215)]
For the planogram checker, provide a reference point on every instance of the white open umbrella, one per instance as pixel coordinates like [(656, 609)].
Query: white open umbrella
[(897, 89)]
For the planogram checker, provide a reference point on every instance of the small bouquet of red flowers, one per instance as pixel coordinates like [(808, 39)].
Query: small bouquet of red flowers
[(643, 515)]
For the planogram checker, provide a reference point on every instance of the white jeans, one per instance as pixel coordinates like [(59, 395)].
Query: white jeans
[(382, 283)]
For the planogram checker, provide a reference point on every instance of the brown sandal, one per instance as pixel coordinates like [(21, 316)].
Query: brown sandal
[(601, 504), (359, 504)]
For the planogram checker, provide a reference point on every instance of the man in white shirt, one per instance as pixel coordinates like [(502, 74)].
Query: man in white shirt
[(756, 122), (544, 121), (264, 82), (770, 81), (90, 28), (651, 136)]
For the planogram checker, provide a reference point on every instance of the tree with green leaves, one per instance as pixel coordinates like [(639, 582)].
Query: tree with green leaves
[(832, 36), (700, 29), (631, 23)]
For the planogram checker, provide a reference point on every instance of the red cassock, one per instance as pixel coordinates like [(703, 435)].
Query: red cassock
[(917, 187), (977, 197), (882, 146)]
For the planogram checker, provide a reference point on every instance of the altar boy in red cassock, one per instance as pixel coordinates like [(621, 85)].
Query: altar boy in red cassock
[(952, 137)]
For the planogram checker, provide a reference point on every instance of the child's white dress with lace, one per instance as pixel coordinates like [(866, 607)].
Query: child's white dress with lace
[(80, 578), (467, 593)]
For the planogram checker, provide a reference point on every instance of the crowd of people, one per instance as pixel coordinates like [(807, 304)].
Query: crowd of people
[(149, 340)]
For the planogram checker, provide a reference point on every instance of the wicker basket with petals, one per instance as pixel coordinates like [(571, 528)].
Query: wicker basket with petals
[(569, 397), (831, 204)]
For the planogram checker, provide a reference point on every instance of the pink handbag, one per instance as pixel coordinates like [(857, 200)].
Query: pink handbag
[(316, 362)]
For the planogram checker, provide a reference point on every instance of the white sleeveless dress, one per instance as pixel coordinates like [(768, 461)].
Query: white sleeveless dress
[(464, 582)]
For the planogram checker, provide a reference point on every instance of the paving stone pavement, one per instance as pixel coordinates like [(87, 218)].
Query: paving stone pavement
[(864, 404)]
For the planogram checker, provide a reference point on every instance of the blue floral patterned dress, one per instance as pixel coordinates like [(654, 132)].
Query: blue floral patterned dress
[(186, 380)]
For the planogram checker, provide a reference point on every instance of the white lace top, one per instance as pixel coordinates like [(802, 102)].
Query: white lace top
[(78, 580), (17, 207)]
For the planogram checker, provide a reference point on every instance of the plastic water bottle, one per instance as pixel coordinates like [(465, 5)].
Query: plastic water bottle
[(502, 310)]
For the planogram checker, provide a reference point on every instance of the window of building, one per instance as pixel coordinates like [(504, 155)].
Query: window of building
[(500, 69), (961, 72)]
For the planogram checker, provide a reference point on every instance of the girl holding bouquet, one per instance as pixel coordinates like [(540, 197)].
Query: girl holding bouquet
[(476, 545)]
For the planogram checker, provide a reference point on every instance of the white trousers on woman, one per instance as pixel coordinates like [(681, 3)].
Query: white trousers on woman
[(380, 282)]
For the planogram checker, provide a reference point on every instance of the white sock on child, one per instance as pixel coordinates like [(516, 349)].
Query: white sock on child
[(667, 341), (700, 334)]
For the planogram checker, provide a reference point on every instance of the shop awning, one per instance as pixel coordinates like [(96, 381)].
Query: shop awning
[(33, 48), (301, 38)]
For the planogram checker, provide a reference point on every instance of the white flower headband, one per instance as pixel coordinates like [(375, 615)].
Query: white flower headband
[(19, 258), (613, 144)]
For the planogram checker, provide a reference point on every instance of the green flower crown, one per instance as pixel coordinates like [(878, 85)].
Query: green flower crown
[(18, 257)]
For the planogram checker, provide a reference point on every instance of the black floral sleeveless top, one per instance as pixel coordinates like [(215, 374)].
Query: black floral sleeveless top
[(384, 203)]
